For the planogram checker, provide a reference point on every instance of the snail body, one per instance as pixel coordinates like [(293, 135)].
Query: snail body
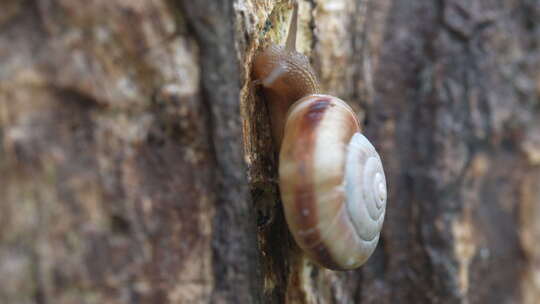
[(331, 178)]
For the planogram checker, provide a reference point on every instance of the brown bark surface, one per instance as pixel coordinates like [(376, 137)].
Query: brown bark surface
[(137, 165)]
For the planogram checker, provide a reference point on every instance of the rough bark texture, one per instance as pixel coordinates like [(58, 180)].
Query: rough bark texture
[(136, 162)]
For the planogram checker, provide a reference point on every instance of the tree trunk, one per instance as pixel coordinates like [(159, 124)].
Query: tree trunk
[(137, 164)]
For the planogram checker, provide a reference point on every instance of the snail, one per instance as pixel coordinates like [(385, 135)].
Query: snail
[(331, 178)]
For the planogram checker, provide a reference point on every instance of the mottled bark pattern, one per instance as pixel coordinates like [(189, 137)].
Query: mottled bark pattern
[(122, 176), (137, 164), (455, 106), (450, 93)]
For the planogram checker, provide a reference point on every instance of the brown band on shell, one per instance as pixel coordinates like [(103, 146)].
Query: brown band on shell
[(315, 218), (305, 193), (318, 137), (304, 213)]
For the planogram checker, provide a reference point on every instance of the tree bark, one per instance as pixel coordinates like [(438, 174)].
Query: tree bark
[(137, 164)]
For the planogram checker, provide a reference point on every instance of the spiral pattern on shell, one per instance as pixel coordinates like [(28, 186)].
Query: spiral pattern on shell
[(332, 183)]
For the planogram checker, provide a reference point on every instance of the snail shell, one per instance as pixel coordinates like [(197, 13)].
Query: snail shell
[(332, 183), (331, 178)]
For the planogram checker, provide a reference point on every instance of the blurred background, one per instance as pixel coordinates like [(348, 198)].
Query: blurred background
[(136, 163)]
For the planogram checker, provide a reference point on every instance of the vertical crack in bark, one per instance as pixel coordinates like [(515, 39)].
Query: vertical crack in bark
[(235, 247)]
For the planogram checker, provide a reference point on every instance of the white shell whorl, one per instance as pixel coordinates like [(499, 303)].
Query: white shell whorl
[(365, 187), (332, 183)]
